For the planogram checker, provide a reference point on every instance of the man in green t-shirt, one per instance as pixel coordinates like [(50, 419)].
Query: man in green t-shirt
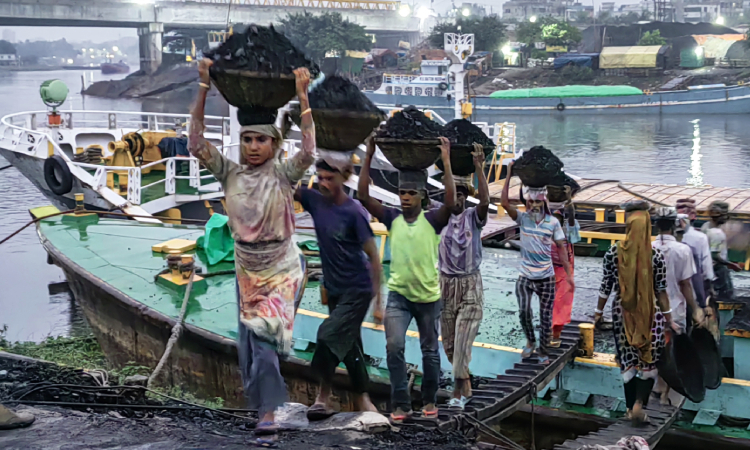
[(413, 283)]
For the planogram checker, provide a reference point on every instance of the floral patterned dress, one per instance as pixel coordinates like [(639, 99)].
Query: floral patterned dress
[(628, 356)]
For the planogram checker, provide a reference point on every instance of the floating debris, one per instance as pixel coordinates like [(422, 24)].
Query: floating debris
[(260, 49)]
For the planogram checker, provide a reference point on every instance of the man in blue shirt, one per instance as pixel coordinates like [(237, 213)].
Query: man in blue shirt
[(351, 277)]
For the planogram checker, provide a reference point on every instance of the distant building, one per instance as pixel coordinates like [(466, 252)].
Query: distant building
[(522, 10), (608, 7), (9, 35), (702, 12), (8, 60)]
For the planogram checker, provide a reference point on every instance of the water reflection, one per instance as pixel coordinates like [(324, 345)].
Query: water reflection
[(696, 173)]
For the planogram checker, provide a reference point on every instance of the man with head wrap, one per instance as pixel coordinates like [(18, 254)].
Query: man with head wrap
[(717, 241), (413, 283), (460, 280), (539, 231), (351, 277), (698, 243)]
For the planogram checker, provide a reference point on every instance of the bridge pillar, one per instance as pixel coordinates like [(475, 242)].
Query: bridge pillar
[(149, 43)]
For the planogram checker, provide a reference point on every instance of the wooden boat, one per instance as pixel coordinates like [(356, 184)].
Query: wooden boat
[(112, 68), (110, 266)]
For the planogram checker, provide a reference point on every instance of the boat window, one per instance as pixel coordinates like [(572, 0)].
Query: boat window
[(407, 90), (398, 91), (417, 91), (389, 90), (428, 92)]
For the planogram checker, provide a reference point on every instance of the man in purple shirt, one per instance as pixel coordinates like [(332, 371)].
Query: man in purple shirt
[(351, 277), (460, 254)]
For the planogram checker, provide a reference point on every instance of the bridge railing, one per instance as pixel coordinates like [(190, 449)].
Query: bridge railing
[(379, 5)]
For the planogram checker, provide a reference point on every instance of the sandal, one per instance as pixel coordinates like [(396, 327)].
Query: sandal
[(459, 403), (399, 415), (555, 342), (543, 360), (431, 412), (266, 442), (318, 412), (527, 351), (266, 428)]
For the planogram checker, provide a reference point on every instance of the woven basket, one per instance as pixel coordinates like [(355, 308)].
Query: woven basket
[(341, 130), (249, 90), (406, 154), (462, 162)]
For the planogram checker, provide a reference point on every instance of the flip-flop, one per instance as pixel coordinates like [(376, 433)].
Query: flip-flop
[(266, 428), (555, 343), (319, 412), (399, 418), (456, 403), (543, 360), (433, 413), (527, 351), (265, 443)]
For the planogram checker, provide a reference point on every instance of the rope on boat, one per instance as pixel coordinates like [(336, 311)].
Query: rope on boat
[(6, 167), (176, 331)]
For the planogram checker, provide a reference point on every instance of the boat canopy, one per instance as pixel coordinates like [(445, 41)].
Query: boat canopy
[(568, 91), (638, 56)]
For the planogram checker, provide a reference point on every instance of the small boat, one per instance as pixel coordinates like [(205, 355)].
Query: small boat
[(110, 68)]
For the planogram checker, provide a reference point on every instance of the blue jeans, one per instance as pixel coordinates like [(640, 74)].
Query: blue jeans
[(398, 315)]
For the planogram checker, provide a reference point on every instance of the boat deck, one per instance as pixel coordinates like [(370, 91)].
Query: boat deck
[(608, 195), (661, 419)]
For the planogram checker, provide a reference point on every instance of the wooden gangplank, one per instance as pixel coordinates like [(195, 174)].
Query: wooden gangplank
[(609, 195), (661, 418), (497, 398)]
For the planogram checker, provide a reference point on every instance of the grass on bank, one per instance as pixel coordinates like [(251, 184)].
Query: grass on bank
[(84, 352)]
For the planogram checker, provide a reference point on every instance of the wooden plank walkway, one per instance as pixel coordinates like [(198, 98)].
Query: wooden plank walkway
[(661, 419), (596, 194), (496, 399)]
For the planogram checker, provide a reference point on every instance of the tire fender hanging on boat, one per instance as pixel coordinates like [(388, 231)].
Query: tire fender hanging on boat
[(560, 106), (57, 175), (443, 86)]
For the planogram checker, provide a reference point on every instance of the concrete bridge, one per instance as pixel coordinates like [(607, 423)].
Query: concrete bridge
[(151, 17)]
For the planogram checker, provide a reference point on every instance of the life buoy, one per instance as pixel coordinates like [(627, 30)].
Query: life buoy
[(57, 175), (443, 86), (560, 107)]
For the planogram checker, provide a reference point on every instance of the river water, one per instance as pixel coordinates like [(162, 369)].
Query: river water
[(691, 149)]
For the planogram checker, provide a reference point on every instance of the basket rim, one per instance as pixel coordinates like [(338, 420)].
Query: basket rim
[(348, 113), (407, 141), (470, 147), (252, 73)]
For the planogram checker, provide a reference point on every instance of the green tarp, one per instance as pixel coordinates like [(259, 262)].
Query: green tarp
[(568, 91), (217, 242)]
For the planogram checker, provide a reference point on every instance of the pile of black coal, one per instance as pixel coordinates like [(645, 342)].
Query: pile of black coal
[(337, 92), (260, 49), (463, 132), (410, 124), (539, 167)]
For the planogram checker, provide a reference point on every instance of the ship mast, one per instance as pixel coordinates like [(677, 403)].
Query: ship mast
[(461, 46)]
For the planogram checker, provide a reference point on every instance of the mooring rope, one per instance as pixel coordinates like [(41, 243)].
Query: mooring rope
[(176, 331)]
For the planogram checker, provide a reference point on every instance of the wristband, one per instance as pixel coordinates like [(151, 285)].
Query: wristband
[(204, 85), (668, 312), (307, 111), (598, 311)]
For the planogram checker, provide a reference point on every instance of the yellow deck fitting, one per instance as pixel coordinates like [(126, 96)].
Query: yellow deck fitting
[(587, 339), (174, 246)]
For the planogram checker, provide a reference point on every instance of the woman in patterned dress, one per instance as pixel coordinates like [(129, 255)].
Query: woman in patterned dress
[(258, 192), (640, 311)]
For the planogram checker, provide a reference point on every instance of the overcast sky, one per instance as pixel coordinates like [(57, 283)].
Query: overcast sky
[(74, 34)]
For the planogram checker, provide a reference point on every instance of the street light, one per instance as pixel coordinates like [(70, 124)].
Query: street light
[(115, 48), (532, 19), (404, 10), (719, 20), (465, 12), (505, 49)]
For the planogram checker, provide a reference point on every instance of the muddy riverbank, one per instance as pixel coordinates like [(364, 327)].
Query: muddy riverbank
[(89, 415)]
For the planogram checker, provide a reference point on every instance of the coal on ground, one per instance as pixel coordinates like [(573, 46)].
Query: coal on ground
[(260, 49), (337, 92), (410, 123), (463, 132)]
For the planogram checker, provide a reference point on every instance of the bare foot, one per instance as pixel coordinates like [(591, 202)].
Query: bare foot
[(364, 403)]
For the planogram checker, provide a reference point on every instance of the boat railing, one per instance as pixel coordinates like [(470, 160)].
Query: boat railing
[(398, 78), (112, 120)]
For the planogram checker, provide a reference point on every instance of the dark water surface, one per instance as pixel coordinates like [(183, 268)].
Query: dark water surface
[(671, 149)]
